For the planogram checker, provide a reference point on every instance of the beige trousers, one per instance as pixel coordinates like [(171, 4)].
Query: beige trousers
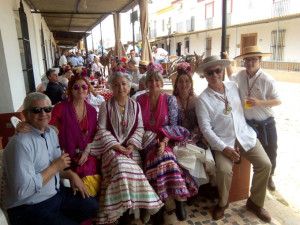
[(261, 167)]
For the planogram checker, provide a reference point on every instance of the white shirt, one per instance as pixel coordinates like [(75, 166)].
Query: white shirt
[(222, 130), (160, 54), (63, 60), (97, 66), (95, 101), (135, 79), (263, 89)]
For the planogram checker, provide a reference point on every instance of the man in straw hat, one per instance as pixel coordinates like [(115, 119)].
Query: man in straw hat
[(159, 54), (258, 95), (143, 67), (222, 122)]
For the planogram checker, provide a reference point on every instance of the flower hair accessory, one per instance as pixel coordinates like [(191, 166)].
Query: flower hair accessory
[(184, 67), (122, 70), (153, 66)]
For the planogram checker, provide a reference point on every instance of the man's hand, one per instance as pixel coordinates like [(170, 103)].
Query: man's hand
[(76, 182), (62, 162), (231, 154)]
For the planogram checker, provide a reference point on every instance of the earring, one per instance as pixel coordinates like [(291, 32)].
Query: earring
[(191, 91)]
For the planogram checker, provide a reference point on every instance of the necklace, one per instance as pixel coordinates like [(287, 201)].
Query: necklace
[(122, 111), (184, 110), (250, 87), (80, 119), (152, 120), (224, 99)]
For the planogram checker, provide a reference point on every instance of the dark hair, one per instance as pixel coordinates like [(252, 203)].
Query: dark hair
[(182, 72), (73, 80), (49, 72), (132, 61)]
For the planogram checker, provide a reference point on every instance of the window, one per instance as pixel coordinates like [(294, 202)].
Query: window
[(229, 6), (281, 44), (163, 25), (25, 51), (227, 44), (187, 46), (209, 10), (44, 50), (208, 47)]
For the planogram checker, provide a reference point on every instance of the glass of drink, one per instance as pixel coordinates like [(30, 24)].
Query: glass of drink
[(247, 105)]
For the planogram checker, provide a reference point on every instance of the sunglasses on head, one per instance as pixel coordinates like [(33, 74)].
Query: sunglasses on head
[(211, 72), (37, 110), (84, 86)]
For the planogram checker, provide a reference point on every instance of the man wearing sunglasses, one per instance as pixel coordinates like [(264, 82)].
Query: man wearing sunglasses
[(33, 165), (258, 90), (56, 91), (222, 122)]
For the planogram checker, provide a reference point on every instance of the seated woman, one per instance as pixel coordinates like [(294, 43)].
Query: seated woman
[(186, 98), (76, 121), (159, 112), (66, 75), (119, 137)]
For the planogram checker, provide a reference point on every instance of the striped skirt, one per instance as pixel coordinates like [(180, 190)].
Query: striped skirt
[(124, 186), (164, 174)]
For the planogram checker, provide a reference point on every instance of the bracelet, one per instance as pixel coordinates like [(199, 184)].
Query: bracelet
[(86, 152), (166, 143)]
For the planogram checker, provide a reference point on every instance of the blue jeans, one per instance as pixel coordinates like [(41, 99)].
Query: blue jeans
[(62, 209), (267, 131), (161, 60)]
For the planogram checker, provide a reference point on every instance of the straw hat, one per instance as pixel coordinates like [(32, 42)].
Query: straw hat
[(212, 61), (252, 51), (143, 63), (153, 48)]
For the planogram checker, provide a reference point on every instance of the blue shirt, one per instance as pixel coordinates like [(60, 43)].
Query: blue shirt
[(74, 61), (24, 158)]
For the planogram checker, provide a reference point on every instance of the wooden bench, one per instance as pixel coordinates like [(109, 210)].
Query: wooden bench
[(240, 185), (6, 128)]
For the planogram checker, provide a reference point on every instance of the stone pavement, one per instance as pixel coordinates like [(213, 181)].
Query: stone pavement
[(284, 203)]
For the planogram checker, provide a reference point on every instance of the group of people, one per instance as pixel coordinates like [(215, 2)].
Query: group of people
[(123, 162)]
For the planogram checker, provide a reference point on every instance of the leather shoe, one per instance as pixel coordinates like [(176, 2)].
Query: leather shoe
[(218, 211), (180, 210), (260, 212), (158, 218), (271, 185)]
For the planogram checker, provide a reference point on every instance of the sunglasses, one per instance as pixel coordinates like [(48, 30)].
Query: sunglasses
[(247, 60), (84, 87), (37, 110), (211, 72)]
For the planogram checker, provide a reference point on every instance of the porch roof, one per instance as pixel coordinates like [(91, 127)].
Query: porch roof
[(69, 20)]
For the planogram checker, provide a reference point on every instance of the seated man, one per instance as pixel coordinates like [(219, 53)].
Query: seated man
[(222, 122), (33, 165), (56, 91), (159, 54)]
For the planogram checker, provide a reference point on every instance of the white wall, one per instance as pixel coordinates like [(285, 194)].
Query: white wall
[(13, 92), (13, 81)]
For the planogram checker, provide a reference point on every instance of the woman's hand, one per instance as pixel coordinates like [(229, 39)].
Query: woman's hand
[(23, 127), (161, 148), (121, 149), (83, 159)]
